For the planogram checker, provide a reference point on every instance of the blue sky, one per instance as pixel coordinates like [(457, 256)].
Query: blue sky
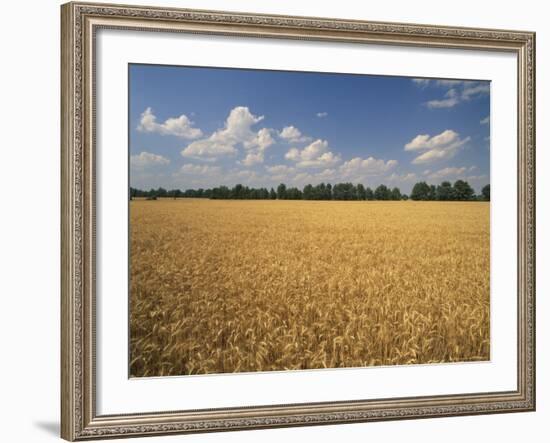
[(203, 127)]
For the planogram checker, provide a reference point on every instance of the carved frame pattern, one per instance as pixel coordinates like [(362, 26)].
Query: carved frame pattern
[(79, 24)]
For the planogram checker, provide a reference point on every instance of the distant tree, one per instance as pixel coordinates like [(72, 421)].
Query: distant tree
[(223, 192), (344, 191), (327, 195), (445, 192), (395, 194), (319, 192), (281, 191), (238, 192), (382, 193), (369, 195), (361, 192), (463, 191), (308, 192), (293, 194), (486, 192), (420, 191)]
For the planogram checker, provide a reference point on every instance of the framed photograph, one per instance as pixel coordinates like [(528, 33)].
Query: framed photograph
[(283, 221)]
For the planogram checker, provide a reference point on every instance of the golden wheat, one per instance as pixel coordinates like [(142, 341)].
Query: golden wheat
[(233, 286)]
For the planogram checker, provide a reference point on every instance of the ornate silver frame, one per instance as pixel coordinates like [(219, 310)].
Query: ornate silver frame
[(80, 21)]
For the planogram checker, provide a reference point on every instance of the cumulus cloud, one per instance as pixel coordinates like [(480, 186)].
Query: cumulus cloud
[(257, 146), (322, 114), (280, 169), (459, 91), (179, 126), (298, 177), (421, 82), (448, 173), (451, 99), (192, 169), (292, 134), (314, 155), (262, 140), (146, 160), (473, 89), (402, 178), (439, 147), (361, 167), (237, 131), (253, 158)]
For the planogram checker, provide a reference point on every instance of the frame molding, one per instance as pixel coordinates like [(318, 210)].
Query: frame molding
[(79, 22)]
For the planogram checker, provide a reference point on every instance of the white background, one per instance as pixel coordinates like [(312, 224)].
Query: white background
[(29, 221)]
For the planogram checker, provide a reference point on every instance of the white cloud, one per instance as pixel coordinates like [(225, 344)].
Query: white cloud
[(179, 126), (449, 83), (326, 175), (243, 176), (145, 160), (298, 177), (253, 158), (199, 169), (359, 167), (403, 178), (237, 131), (280, 169), (322, 114), (257, 146), (292, 134), (485, 121), (314, 155), (459, 91), (473, 89), (421, 82), (448, 173), (324, 160), (438, 147), (262, 140), (451, 99)]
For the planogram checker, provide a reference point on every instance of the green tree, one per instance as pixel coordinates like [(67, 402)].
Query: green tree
[(308, 192), (344, 191), (463, 191), (361, 192), (445, 191), (327, 195), (395, 194), (281, 191), (272, 194), (237, 192), (369, 195), (420, 191), (293, 194), (382, 193), (486, 192)]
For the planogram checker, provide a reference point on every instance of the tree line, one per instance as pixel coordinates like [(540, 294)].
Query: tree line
[(459, 191)]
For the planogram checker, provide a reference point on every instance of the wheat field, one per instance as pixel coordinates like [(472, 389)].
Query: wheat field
[(221, 286)]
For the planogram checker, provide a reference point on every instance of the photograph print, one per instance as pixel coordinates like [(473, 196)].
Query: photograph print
[(285, 220)]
